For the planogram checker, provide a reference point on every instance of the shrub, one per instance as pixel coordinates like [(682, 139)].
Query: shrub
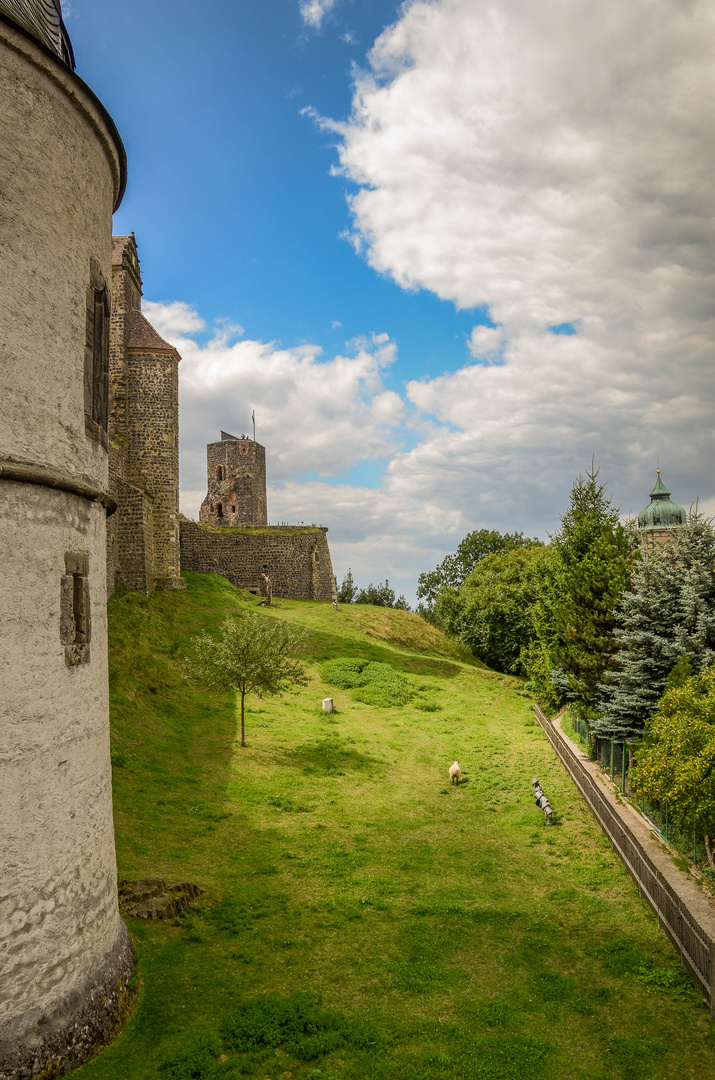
[(373, 683), (344, 672)]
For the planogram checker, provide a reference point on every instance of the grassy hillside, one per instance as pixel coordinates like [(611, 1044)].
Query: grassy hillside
[(447, 931)]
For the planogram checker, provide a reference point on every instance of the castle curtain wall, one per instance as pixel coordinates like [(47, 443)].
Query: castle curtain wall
[(297, 559)]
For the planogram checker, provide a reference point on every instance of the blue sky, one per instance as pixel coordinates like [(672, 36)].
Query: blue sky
[(448, 251), (230, 193)]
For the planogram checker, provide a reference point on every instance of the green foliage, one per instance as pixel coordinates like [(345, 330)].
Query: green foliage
[(198, 1061), (380, 595), (373, 683), (342, 888), (307, 1030), (665, 629), (453, 571), (345, 672), (679, 674), (251, 654), (677, 762), (575, 614), (492, 611), (348, 590)]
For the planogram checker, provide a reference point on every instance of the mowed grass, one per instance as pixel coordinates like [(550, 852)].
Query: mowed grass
[(360, 916)]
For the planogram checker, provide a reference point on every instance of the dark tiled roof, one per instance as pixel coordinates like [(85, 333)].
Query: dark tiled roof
[(43, 20), (144, 338)]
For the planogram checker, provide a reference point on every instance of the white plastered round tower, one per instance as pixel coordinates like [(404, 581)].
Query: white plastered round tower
[(65, 954)]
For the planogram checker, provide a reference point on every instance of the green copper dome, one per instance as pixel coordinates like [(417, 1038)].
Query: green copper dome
[(662, 512)]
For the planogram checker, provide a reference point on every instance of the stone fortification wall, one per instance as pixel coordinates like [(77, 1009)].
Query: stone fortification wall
[(154, 453), (65, 954), (296, 558), (134, 537)]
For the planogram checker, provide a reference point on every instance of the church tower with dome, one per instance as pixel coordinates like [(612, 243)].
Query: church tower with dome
[(658, 520)]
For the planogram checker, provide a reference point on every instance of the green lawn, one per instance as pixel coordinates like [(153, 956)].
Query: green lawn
[(447, 932)]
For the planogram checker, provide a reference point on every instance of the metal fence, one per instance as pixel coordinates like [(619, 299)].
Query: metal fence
[(697, 951)]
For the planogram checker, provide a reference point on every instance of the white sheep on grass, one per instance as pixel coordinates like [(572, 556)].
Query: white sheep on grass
[(454, 773)]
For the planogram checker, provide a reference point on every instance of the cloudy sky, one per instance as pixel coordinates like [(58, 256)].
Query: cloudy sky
[(447, 250)]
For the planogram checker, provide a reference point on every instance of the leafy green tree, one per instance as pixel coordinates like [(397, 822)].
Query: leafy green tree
[(492, 611), (454, 569), (348, 590), (252, 655), (575, 620), (381, 595), (677, 762), (665, 629)]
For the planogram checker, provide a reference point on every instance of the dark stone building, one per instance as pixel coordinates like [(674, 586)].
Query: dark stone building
[(143, 535), (236, 468)]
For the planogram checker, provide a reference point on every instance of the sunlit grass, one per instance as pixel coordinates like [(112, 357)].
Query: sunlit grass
[(446, 931)]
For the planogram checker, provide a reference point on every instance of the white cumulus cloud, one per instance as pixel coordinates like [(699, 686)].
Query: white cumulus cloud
[(314, 11), (552, 164)]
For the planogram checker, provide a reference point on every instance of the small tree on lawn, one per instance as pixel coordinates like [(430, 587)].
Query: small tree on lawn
[(251, 655)]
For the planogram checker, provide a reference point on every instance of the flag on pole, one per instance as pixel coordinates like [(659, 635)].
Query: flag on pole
[(253, 417)]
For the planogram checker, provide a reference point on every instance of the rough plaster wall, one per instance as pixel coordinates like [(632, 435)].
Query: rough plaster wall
[(58, 890), (58, 172), (62, 943), (154, 453), (242, 558)]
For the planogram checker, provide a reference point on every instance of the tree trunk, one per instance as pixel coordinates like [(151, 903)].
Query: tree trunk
[(710, 852), (243, 730)]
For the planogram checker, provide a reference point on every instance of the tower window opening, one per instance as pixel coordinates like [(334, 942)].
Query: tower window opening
[(75, 614), (219, 472), (219, 510)]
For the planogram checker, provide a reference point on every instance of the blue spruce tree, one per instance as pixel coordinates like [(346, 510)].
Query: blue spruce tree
[(667, 619)]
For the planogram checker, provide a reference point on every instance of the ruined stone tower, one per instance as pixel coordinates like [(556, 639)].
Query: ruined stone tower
[(143, 536), (65, 954), (233, 537), (236, 468)]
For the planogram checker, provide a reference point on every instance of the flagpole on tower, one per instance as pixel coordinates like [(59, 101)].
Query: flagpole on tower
[(253, 417)]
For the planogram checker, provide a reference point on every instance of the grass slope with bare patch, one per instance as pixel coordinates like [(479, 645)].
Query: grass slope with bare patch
[(360, 917)]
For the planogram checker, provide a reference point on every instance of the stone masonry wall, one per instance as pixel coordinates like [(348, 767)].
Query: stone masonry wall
[(134, 538), (153, 462), (126, 298), (236, 480), (296, 558), (143, 439)]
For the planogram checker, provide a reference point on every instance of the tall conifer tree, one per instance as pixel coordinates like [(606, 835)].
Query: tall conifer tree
[(582, 588), (667, 619)]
